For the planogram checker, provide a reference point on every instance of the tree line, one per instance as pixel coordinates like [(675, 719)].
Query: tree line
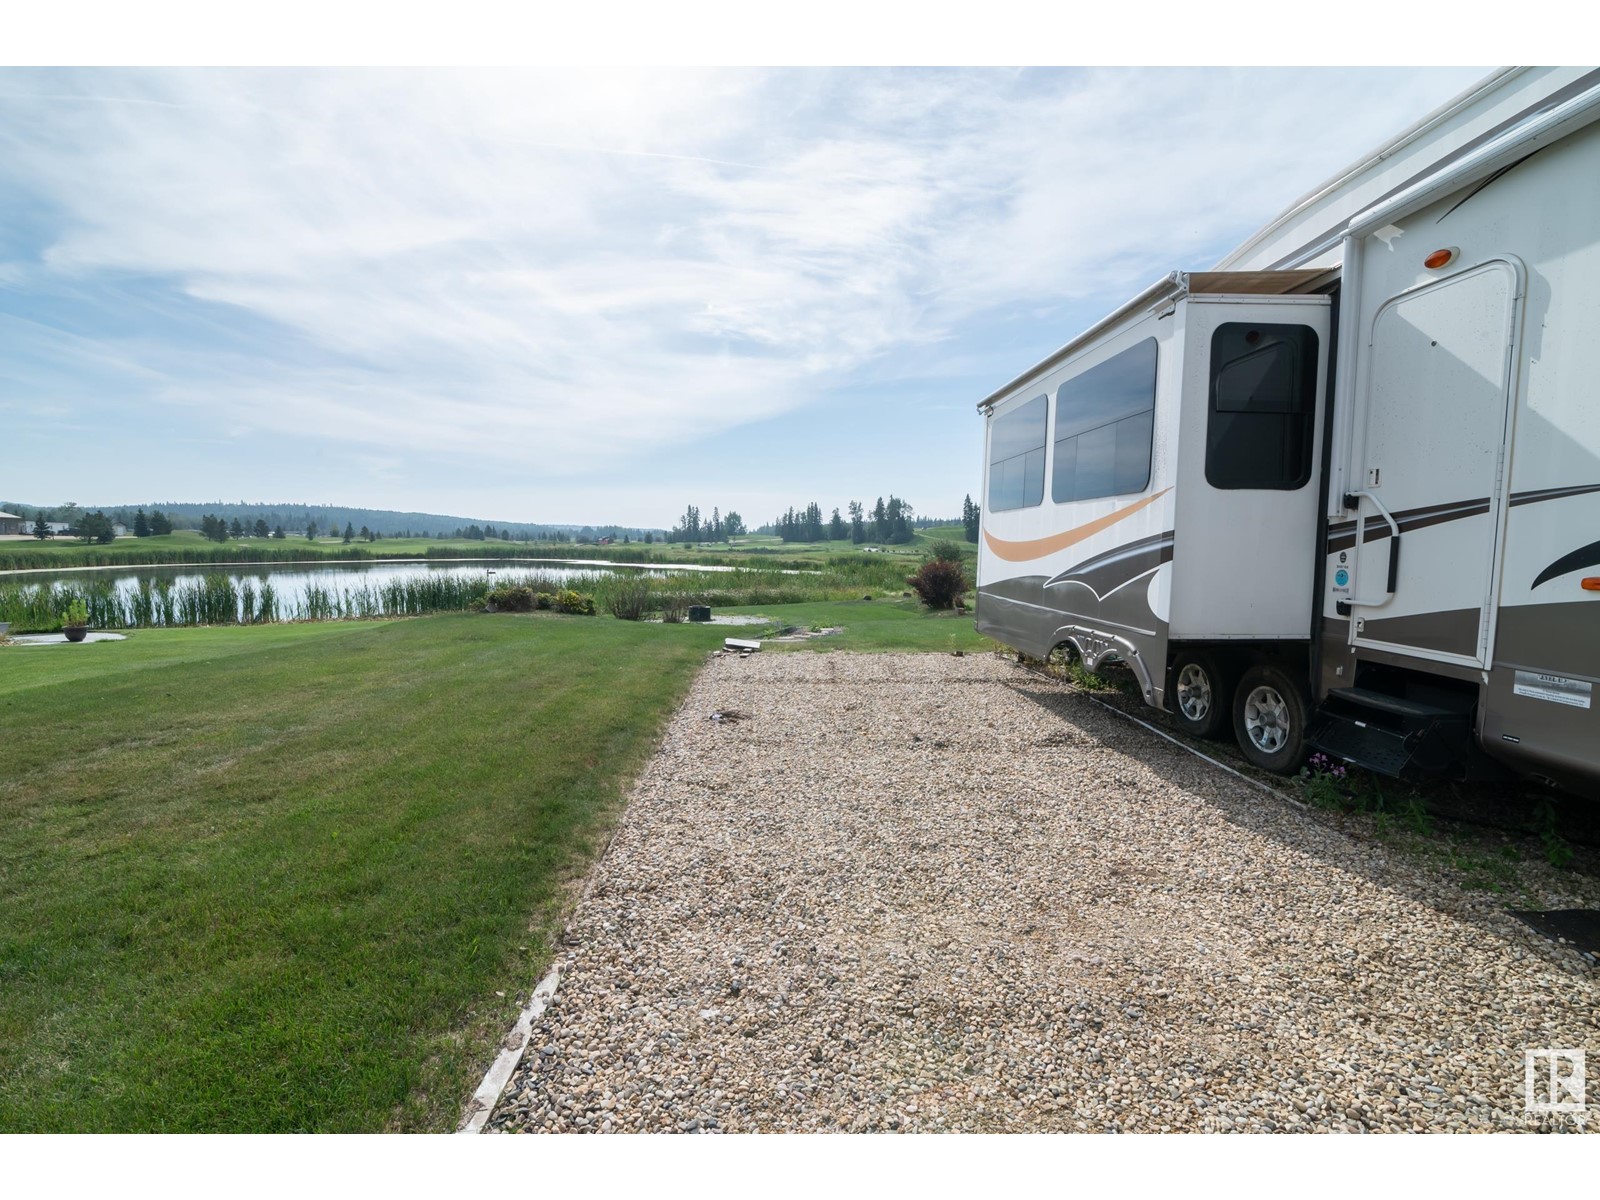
[(691, 528), (892, 521), (971, 518)]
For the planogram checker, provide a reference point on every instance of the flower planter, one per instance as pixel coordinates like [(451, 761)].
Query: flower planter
[(75, 633)]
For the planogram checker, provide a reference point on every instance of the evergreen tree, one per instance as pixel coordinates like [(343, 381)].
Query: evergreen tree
[(278, 534), (858, 524), (689, 525), (160, 523), (261, 527), (96, 527), (971, 516), (349, 532), (41, 527), (897, 522), (836, 528), (236, 530), (311, 531), (141, 525)]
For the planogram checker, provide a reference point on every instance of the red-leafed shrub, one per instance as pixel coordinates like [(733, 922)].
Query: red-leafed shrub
[(938, 582)]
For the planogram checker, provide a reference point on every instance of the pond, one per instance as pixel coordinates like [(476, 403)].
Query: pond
[(134, 596)]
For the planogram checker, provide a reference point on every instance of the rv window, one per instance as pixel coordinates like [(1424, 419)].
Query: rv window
[(1016, 457), (1105, 419), (1263, 402)]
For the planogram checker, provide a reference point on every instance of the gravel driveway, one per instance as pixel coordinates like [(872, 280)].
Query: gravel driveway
[(925, 892)]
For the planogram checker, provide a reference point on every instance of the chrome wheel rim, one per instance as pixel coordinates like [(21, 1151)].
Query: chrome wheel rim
[(1194, 692), (1266, 719)]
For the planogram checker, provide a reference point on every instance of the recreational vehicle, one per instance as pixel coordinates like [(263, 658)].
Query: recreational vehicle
[(1342, 492)]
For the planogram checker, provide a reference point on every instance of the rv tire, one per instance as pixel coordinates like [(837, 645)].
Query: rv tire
[(1200, 694), (1269, 718)]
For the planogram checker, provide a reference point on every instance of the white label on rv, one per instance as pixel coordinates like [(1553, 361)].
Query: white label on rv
[(1556, 688)]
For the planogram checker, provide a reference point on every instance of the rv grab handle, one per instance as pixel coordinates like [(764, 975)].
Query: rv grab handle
[(1353, 500)]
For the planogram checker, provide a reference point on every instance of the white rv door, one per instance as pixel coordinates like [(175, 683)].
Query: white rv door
[(1430, 462)]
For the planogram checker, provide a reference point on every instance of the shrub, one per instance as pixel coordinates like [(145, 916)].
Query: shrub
[(938, 583), (569, 601), (944, 550), (674, 608), (512, 599), (544, 601), (629, 600)]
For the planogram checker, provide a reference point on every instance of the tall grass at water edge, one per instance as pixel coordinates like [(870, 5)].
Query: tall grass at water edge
[(219, 599)]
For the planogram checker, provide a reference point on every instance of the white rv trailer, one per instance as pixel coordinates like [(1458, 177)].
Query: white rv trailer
[(1343, 491)]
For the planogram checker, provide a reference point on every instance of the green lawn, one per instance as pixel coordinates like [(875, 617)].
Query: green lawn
[(187, 546), (271, 878), (890, 624)]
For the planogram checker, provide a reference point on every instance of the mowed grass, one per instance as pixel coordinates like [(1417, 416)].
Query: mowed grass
[(270, 878), (870, 626)]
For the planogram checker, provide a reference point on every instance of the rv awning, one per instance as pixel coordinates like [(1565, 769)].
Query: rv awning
[(1253, 283), (1179, 283)]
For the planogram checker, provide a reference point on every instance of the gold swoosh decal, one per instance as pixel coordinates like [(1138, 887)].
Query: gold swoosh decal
[(1040, 547)]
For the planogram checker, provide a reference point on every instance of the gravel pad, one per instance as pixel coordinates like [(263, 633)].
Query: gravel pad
[(925, 892)]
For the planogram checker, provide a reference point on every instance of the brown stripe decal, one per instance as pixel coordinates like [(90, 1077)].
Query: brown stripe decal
[(1342, 534), (1040, 547), (1519, 498)]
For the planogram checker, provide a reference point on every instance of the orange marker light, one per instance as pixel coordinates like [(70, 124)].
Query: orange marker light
[(1440, 258), (1590, 583)]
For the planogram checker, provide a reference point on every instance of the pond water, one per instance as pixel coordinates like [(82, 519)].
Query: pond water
[(291, 581), (124, 596)]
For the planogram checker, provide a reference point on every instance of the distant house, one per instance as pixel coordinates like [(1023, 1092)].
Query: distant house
[(11, 523)]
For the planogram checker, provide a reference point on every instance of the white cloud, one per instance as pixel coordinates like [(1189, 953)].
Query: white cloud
[(590, 263)]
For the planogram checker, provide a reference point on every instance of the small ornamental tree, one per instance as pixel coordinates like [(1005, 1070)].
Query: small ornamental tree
[(96, 527), (938, 583)]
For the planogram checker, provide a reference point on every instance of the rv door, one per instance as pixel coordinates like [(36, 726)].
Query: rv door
[(1426, 481)]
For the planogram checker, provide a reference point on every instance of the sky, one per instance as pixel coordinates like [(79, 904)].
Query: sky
[(596, 296)]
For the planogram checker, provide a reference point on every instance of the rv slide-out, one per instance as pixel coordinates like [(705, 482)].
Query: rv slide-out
[(1343, 492)]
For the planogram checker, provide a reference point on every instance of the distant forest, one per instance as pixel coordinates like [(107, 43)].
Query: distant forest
[(892, 521), (295, 518)]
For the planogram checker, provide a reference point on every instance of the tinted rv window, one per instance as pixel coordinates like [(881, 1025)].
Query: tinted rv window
[(1016, 457), (1263, 403), (1105, 419)]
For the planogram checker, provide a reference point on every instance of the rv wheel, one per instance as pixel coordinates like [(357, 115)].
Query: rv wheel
[(1199, 699), (1269, 719)]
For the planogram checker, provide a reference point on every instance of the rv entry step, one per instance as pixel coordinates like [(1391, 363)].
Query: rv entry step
[(1398, 736)]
